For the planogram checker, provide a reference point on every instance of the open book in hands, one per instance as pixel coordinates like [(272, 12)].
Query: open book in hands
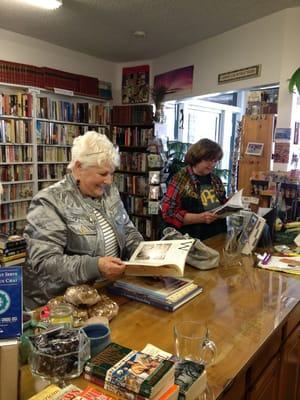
[(231, 206), (159, 258)]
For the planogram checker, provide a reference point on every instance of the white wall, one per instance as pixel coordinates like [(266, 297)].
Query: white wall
[(23, 49), (259, 42)]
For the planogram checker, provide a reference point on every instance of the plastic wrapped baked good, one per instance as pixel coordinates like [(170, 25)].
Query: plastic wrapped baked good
[(81, 294), (56, 301), (80, 315), (104, 308)]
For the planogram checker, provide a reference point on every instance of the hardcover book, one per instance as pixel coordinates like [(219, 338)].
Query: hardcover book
[(142, 374), (165, 304), (160, 287), (159, 258)]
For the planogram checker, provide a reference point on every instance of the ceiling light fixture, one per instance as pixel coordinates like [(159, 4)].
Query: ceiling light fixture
[(47, 4)]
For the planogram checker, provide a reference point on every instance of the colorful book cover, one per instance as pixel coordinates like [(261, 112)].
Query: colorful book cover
[(103, 361), (141, 373), (11, 304), (70, 392), (90, 393)]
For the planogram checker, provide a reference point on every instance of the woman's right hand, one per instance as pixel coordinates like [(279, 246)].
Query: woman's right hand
[(111, 267), (207, 217)]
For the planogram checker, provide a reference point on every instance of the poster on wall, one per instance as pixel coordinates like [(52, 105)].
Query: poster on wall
[(282, 134), (135, 84), (281, 152), (180, 79)]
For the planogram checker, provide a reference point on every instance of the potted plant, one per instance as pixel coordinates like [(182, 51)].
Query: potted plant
[(295, 81)]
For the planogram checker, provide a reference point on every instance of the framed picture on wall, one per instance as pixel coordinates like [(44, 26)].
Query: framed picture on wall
[(254, 149)]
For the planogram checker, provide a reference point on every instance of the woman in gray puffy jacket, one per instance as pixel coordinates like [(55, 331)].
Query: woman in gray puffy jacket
[(78, 230)]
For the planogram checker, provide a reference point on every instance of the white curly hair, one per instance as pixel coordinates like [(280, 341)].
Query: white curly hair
[(94, 149)]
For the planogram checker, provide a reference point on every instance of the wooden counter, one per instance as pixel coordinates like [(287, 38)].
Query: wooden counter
[(253, 316)]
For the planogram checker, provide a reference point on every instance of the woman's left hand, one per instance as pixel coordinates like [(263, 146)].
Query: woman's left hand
[(111, 267)]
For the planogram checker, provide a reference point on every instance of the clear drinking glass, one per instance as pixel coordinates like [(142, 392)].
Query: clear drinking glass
[(62, 314), (192, 342)]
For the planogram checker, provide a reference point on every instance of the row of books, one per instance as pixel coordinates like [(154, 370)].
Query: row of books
[(131, 136), (16, 173), (15, 131), (19, 105), (135, 205), (143, 225), (72, 111), (58, 134), (167, 293), (53, 154), (14, 192), (136, 162), (49, 78), (52, 171), (132, 184), (132, 115), (16, 227), (11, 154), (14, 210), (145, 375)]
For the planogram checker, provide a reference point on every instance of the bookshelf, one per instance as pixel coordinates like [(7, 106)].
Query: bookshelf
[(133, 132), (37, 128)]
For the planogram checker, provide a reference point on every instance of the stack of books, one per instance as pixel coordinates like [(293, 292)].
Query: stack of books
[(131, 374), (12, 250), (167, 293)]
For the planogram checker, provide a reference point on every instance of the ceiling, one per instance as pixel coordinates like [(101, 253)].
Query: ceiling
[(104, 28)]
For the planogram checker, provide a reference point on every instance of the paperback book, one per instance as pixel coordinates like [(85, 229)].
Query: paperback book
[(142, 374), (189, 376), (290, 265), (159, 258)]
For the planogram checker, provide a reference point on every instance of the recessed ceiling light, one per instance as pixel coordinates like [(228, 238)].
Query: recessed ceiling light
[(47, 4), (139, 34)]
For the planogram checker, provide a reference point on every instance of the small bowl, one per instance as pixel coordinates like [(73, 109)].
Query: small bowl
[(99, 335)]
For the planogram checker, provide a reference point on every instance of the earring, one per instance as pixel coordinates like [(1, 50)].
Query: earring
[(78, 183)]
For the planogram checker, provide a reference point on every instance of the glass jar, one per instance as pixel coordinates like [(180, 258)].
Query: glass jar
[(62, 314)]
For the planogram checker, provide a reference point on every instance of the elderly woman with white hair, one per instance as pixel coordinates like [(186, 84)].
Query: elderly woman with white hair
[(77, 230)]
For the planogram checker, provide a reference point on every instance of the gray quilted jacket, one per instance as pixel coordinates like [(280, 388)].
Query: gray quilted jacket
[(64, 242)]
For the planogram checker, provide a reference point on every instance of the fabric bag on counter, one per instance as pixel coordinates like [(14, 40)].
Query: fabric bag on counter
[(200, 256)]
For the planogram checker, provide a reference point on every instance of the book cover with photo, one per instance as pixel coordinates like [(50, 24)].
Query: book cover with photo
[(159, 258), (141, 373)]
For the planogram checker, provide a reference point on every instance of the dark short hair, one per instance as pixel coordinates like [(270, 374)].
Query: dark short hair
[(204, 149)]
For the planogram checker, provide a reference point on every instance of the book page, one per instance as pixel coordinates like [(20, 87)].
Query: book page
[(234, 204), (161, 253)]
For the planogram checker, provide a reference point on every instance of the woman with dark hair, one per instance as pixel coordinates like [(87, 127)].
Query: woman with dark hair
[(194, 191)]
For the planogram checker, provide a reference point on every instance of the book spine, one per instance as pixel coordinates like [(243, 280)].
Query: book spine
[(112, 388)]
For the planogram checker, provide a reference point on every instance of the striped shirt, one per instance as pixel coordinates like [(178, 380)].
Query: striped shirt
[(110, 240)]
